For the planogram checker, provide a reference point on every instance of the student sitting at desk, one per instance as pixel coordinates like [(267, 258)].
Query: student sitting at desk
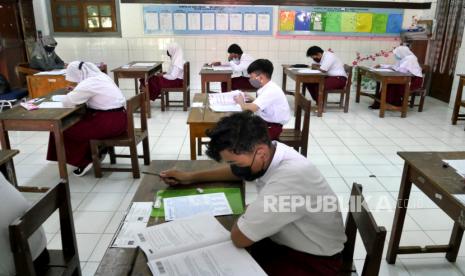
[(171, 79), (13, 205), (239, 63), (271, 103), (329, 63), (407, 62), (283, 242), (105, 117)]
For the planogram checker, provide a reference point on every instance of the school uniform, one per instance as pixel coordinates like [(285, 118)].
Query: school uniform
[(273, 108), (337, 76), (173, 78), (293, 243), (105, 118), (407, 64), (240, 77), (13, 205)]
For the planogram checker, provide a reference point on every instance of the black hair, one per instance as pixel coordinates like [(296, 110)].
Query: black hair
[(80, 65), (314, 50), (261, 66), (238, 133), (235, 49)]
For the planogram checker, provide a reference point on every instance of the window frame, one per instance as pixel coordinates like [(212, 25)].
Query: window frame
[(116, 32)]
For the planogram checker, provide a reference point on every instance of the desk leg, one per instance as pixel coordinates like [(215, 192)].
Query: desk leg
[(404, 108), (359, 85), (229, 84), (193, 144), (284, 85), (399, 217), (454, 243), (115, 78), (202, 83), (10, 172), (147, 96), (458, 99), (321, 91), (297, 90), (60, 149), (382, 103)]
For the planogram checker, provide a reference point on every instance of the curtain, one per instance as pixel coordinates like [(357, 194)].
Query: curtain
[(450, 18)]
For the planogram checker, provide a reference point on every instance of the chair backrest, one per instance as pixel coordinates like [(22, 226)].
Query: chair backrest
[(303, 106), (360, 218), (22, 70), (425, 70), (348, 70), (186, 79), (22, 228), (134, 104)]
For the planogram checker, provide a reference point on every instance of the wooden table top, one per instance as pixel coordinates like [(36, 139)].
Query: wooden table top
[(138, 69), (204, 114), (130, 261), (6, 155), (20, 113), (289, 70), (204, 71), (384, 73), (430, 165)]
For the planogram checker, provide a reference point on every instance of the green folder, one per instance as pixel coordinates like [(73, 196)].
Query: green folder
[(232, 194)]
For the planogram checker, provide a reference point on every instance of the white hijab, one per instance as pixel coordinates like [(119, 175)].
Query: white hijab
[(408, 61), (91, 79), (177, 56)]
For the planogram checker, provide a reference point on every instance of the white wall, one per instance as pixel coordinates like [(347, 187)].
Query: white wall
[(135, 45)]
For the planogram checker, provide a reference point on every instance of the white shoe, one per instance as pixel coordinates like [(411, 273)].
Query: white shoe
[(82, 171)]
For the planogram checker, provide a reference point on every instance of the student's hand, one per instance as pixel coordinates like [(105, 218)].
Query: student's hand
[(315, 66), (239, 99), (216, 63), (175, 177), (69, 88), (377, 66)]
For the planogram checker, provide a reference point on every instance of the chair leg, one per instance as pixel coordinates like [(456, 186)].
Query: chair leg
[(162, 98), (95, 159), (199, 146), (111, 152), (422, 102), (134, 161), (146, 150), (412, 100), (347, 100), (184, 100), (325, 101), (341, 100), (188, 97)]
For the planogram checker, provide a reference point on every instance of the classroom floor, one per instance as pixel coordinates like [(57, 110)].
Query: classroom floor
[(346, 147)]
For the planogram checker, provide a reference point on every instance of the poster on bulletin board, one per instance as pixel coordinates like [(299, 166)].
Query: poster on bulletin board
[(333, 21), (185, 19)]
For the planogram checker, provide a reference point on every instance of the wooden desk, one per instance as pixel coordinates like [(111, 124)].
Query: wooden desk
[(300, 79), (7, 167), (458, 101), (209, 75), (54, 120), (200, 119), (426, 171), (138, 73), (132, 261), (384, 78)]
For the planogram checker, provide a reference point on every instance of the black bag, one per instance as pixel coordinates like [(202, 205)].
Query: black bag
[(4, 85), (299, 66)]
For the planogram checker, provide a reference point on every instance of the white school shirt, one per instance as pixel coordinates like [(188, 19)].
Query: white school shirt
[(332, 65), (174, 73), (99, 92), (272, 104), (240, 68), (291, 174), (408, 64), (12, 206)]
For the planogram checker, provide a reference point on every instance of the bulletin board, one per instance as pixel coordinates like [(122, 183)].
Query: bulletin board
[(205, 20), (333, 21)]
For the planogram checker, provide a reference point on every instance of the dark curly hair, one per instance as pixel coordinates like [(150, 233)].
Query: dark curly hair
[(261, 66), (235, 49), (239, 133)]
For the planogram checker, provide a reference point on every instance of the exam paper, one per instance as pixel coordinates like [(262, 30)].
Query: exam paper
[(58, 98), (308, 71), (139, 211), (224, 98), (51, 105), (56, 72), (143, 64), (226, 108), (458, 165), (126, 236), (222, 68), (381, 70), (215, 204)]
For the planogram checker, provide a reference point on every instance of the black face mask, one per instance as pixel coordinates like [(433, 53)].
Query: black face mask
[(49, 49), (317, 60), (246, 173)]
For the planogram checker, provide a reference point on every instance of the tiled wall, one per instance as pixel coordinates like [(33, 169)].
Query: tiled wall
[(135, 45)]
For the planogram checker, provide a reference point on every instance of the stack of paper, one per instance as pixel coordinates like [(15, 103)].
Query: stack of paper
[(458, 165), (222, 68), (143, 64), (51, 105), (134, 222), (224, 102), (381, 70), (308, 71), (199, 245)]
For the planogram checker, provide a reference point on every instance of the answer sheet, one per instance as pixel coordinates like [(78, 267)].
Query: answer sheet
[(215, 204)]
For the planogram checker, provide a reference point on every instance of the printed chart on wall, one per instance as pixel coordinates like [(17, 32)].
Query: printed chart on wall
[(339, 21), (182, 19)]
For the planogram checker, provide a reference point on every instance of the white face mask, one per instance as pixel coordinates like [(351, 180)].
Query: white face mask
[(236, 60)]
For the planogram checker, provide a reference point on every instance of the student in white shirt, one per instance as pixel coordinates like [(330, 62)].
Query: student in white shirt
[(329, 63), (303, 241), (173, 77), (407, 62), (239, 62), (105, 117), (271, 104), (13, 205)]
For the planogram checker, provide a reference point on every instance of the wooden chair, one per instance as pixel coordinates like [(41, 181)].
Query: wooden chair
[(22, 71), (373, 236), (62, 262), (297, 137), (185, 90), (344, 93), (130, 139), (423, 90)]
